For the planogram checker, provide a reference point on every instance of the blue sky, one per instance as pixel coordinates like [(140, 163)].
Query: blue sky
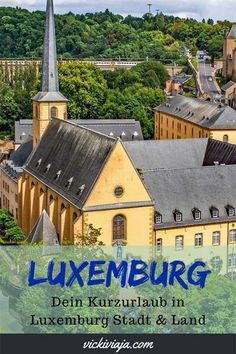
[(217, 9)]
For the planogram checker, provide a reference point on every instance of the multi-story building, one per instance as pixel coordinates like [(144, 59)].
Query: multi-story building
[(229, 55), (186, 118)]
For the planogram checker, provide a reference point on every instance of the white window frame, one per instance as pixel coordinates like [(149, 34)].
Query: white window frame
[(158, 218), (231, 211), (179, 242), (232, 236), (198, 237), (216, 235), (178, 216), (215, 213), (197, 212)]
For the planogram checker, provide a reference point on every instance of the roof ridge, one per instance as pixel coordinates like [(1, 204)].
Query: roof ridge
[(85, 128), (187, 168)]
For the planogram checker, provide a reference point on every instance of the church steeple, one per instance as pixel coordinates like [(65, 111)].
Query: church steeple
[(50, 72), (49, 102)]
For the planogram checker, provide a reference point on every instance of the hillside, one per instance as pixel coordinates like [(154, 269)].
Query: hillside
[(106, 35)]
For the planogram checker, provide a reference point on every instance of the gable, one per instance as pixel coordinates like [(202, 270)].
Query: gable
[(119, 171)]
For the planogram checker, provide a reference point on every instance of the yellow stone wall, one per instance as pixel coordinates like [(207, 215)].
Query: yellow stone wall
[(118, 171), (220, 134), (70, 222), (42, 117), (189, 253), (9, 194), (229, 46), (171, 127)]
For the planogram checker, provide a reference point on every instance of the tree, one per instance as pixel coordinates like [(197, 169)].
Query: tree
[(9, 110), (10, 231), (215, 45), (86, 87), (159, 72)]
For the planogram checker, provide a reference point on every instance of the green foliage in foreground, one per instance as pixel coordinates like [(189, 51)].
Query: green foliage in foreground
[(9, 230)]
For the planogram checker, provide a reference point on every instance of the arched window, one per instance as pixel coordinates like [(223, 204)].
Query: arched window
[(225, 138), (51, 199), (54, 112), (75, 217), (119, 228), (63, 207)]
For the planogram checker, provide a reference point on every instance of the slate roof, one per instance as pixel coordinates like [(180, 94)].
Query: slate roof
[(72, 153), (204, 113), (219, 152), (232, 32), (181, 153), (228, 85), (14, 166), (186, 189), (105, 126), (23, 129), (44, 231)]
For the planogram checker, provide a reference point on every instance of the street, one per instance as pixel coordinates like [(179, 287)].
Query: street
[(206, 77)]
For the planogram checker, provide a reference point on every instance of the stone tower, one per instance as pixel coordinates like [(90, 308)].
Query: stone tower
[(49, 102), (229, 53)]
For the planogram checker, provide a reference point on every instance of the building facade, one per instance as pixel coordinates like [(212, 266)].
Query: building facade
[(187, 118), (229, 54)]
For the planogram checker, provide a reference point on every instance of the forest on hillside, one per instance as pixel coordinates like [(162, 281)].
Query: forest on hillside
[(108, 35)]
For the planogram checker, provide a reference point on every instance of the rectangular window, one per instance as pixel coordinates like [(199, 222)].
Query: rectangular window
[(158, 218), (159, 245), (232, 260), (198, 240), (216, 263), (178, 217), (216, 238), (231, 211), (232, 236), (179, 243)]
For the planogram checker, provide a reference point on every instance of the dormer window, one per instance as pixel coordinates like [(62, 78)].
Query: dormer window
[(69, 183), (158, 218), (230, 210), (81, 189), (178, 217), (47, 168), (214, 212), (135, 135), (38, 163), (196, 214), (123, 135), (111, 134), (58, 175)]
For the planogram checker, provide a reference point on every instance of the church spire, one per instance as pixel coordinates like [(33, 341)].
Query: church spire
[(50, 71), (49, 103), (50, 84)]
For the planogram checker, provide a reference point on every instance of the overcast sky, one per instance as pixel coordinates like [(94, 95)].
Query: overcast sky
[(217, 9)]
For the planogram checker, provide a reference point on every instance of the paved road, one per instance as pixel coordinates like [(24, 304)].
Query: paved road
[(208, 85)]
